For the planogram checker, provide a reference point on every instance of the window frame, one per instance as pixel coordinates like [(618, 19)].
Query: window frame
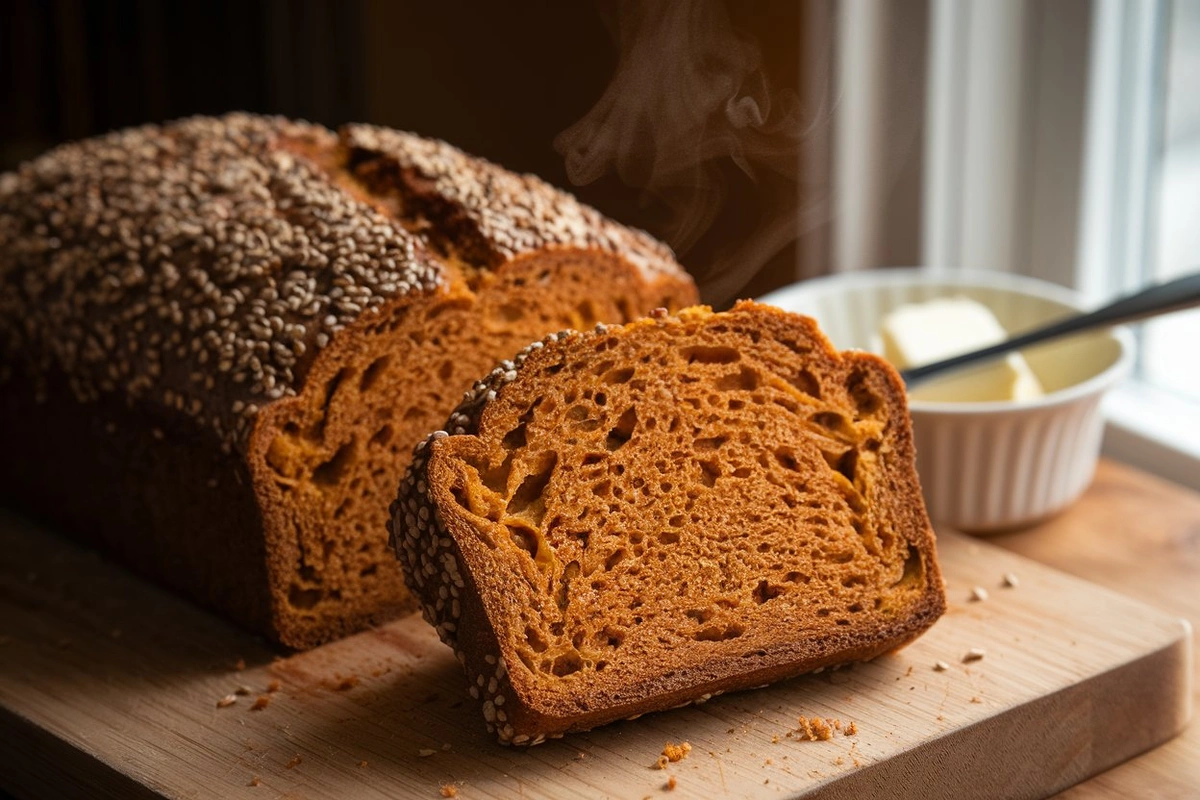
[(1042, 146)]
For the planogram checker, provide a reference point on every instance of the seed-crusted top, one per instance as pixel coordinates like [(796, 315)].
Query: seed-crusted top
[(511, 213), (194, 264)]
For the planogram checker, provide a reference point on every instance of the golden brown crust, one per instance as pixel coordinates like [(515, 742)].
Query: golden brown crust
[(497, 215), (238, 284), (536, 582), (198, 267)]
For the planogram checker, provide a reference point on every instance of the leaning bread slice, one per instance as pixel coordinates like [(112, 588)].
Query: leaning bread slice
[(643, 516)]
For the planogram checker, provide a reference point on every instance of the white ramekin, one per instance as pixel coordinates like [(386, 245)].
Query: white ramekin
[(998, 465)]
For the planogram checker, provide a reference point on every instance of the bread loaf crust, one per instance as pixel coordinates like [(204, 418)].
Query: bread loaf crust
[(456, 578), (214, 298)]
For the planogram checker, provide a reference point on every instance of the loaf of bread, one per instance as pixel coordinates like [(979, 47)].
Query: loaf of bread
[(643, 516), (221, 338)]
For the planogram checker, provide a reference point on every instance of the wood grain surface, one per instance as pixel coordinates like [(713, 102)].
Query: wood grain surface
[(1138, 535), (109, 687)]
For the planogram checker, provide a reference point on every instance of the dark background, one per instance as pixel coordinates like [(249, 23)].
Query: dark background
[(500, 80)]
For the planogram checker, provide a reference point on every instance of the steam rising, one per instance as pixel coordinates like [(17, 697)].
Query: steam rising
[(689, 107)]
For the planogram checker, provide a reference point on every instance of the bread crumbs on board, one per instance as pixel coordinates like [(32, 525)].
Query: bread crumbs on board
[(227, 701), (449, 790), (274, 686), (817, 729), (294, 762), (261, 702), (677, 752), (671, 784), (363, 763), (672, 752), (255, 781)]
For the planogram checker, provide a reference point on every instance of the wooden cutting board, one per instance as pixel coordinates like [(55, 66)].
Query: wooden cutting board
[(109, 686)]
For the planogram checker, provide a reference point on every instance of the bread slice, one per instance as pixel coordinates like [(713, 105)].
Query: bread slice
[(220, 340), (643, 516)]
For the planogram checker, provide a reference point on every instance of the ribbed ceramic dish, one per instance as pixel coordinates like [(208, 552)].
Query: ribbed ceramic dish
[(991, 466)]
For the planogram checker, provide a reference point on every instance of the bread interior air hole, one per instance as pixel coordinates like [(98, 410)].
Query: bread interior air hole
[(659, 494), (336, 453)]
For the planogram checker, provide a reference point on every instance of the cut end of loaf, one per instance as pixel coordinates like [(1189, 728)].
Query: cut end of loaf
[(305, 303), (643, 516)]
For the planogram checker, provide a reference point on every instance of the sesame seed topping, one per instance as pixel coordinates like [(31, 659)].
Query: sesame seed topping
[(134, 257), (510, 213)]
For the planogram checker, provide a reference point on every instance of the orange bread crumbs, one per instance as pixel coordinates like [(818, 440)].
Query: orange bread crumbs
[(254, 781), (295, 762), (852, 729), (671, 784), (273, 686), (449, 790), (677, 752), (815, 729), (261, 702), (347, 683), (362, 763)]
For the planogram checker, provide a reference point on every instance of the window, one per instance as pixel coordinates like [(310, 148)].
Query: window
[(1060, 139), (1169, 346), (1143, 166)]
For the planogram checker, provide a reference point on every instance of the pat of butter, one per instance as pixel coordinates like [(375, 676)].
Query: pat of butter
[(922, 333)]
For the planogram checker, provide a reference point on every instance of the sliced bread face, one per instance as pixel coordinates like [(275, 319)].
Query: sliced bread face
[(643, 516)]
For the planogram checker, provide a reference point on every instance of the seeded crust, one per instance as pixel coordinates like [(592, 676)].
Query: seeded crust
[(220, 339), (643, 516)]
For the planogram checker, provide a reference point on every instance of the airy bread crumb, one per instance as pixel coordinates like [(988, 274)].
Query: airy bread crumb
[(547, 486), (449, 790)]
